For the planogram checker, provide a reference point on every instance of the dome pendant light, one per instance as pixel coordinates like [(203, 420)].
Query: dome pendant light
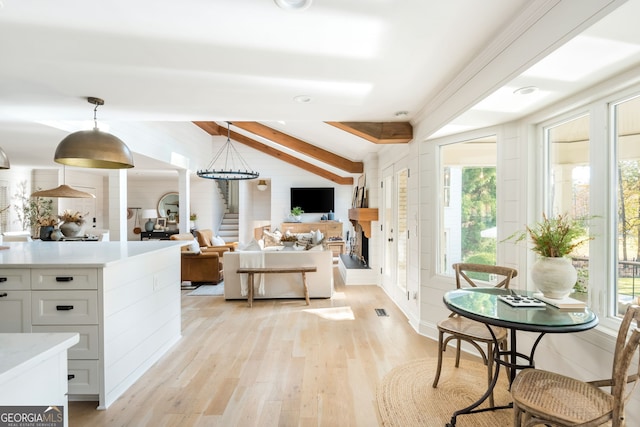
[(63, 190), (93, 148), (234, 167)]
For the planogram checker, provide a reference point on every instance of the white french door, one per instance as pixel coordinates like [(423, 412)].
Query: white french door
[(395, 233)]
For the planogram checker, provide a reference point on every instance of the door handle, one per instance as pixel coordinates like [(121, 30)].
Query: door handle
[(4, 294), (64, 307), (64, 279), (390, 239)]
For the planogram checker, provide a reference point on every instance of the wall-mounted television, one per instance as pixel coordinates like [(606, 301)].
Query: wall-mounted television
[(313, 199)]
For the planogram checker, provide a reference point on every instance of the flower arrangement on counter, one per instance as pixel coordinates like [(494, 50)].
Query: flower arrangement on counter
[(70, 216), (48, 221)]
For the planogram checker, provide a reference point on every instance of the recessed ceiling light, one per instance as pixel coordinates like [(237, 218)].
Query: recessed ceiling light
[(302, 99), (293, 4), (525, 90), (401, 114)]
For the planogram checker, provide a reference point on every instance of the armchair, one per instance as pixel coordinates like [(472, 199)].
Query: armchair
[(202, 266), (206, 240)]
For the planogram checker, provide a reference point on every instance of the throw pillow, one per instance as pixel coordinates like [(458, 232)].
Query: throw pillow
[(316, 237), (253, 245), (218, 241), (305, 239), (271, 239), (194, 247)]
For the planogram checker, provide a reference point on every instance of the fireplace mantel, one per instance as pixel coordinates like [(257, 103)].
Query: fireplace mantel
[(363, 216)]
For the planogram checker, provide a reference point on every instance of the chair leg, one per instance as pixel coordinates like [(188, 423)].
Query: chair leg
[(503, 346), (458, 344), (440, 351), (517, 416)]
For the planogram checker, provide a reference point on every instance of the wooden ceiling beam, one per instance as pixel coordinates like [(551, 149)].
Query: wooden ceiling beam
[(210, 127), (301, 146), (378, 132)]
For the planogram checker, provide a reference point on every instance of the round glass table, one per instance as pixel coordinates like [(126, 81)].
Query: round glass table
[(484, 305)]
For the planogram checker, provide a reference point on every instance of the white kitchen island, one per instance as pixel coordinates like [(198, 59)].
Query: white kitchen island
[(122, 298), (33, 372)]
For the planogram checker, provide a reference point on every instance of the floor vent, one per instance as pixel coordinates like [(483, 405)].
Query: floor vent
[(381, 312)]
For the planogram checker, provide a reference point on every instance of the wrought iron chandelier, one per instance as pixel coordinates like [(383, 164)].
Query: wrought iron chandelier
[(228, 164)]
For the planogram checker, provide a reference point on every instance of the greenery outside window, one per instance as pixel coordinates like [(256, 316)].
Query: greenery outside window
[(468, 203)]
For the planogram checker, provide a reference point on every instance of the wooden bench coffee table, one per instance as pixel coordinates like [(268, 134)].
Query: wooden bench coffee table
[(266, 270)]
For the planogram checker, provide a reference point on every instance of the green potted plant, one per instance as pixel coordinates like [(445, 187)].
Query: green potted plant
[(554, 238), (296, 213)]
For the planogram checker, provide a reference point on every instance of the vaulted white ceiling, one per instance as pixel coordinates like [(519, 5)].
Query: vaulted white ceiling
[(249, 60)]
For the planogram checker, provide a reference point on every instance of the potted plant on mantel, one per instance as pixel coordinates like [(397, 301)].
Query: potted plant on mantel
[(296, 214), (554, 239)]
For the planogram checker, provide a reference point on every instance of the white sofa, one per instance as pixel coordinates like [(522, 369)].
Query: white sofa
[(288, 285)]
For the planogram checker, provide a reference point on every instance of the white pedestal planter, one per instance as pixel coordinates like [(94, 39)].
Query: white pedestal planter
[(554, 277)]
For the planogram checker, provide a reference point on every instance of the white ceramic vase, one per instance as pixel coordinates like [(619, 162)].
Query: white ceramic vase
[(554, 276), (70, 229)]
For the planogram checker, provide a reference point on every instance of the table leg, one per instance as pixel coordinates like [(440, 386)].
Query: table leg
[(471, 409), (306, 288), (513, 356), (250, 290)]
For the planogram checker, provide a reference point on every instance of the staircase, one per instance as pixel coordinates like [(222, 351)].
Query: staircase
[(229, 228)]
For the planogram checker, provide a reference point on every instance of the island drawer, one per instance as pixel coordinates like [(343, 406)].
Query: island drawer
[(83, 377), (64, 307), (15, 311), (87, 347), (15, 279), (58, 279)]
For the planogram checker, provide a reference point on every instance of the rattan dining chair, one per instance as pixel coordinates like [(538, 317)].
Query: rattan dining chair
[(460, 328), (547, 398)]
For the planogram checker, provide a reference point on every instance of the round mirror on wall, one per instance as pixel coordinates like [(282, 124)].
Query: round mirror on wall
[(168, 207)]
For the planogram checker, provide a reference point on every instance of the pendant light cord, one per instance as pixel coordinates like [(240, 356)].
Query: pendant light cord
[(95, 116)]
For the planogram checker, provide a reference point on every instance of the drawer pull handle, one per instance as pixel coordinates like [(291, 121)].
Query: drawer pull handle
[(64, 279), (70, 377), (3, 279), (64, 307), (4, 294)]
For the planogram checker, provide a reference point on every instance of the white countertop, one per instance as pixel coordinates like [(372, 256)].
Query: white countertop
[(20, 352), (76, 254)]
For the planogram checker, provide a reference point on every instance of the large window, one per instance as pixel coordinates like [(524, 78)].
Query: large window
[(594, 172), (569, 178), (627, 142), (468, 205)]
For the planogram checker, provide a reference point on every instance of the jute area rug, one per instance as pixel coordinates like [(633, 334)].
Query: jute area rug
[(406, 398)]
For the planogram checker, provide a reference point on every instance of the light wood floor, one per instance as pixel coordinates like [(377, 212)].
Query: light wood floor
[(280, 363)]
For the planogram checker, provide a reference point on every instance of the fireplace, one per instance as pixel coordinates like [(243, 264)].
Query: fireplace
[(359, 243)]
